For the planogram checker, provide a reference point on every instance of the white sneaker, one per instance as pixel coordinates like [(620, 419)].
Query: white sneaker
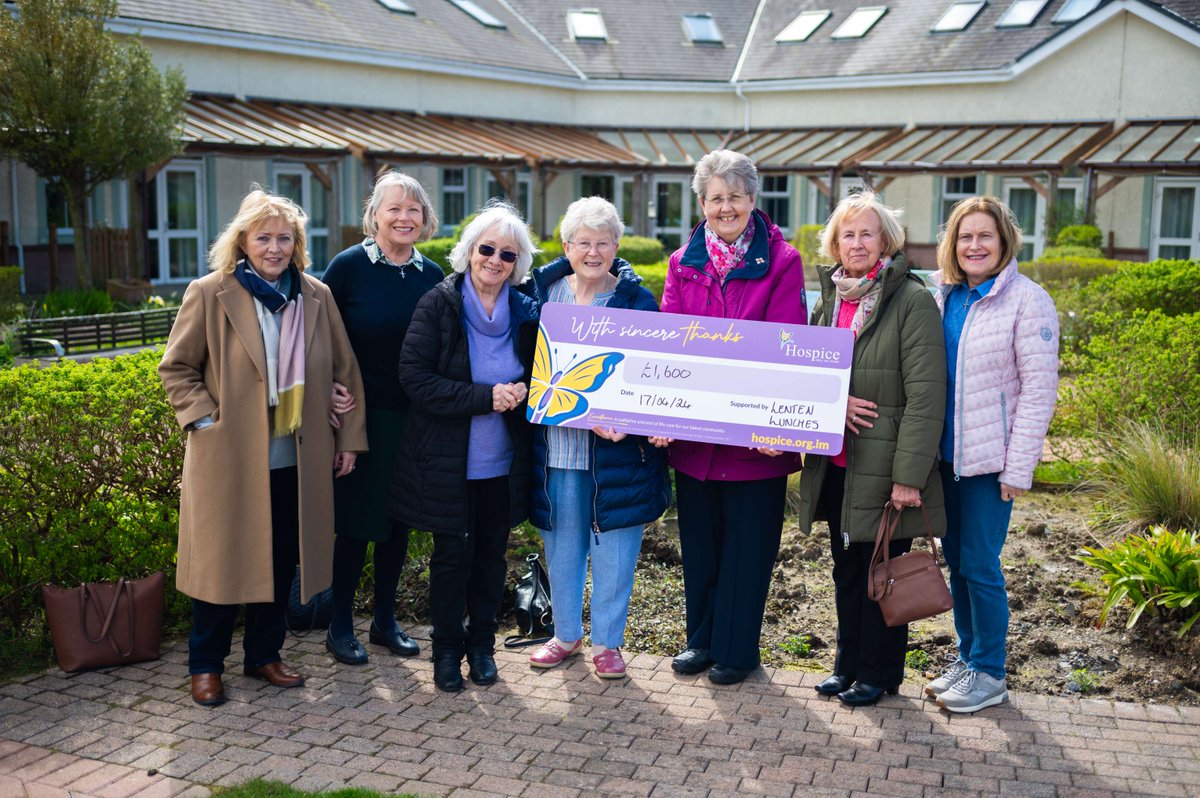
[(944, 682), (972, 692)]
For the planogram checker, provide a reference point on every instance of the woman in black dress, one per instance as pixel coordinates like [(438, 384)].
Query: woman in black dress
[(376, 285)]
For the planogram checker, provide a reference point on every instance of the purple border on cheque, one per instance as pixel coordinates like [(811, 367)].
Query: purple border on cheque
[(696, 378)]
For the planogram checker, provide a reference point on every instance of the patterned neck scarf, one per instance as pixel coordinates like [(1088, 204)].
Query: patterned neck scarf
[(727, 257), (281, 320), (864, 291)]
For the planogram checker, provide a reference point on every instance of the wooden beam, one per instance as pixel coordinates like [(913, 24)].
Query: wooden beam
[(882, 184), (1110, 185), (322, 177), (820, 184), (1037, 186)]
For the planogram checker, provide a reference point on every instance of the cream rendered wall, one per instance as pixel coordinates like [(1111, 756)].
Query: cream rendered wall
[(914, 195), (280, 76), (1121, 211), (1127, 68), (234, 177)]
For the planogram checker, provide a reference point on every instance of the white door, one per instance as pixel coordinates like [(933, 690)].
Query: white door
[(1030, 209), (1176, 224), (671, 213), (297, 183), (175, 224)]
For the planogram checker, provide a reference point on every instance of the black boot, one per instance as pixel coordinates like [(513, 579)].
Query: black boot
[(481, 667), (447, 671)]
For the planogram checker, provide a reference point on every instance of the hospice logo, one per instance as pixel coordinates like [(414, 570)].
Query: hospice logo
[(816, 355)]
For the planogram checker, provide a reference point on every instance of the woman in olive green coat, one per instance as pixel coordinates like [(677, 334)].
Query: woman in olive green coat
[(893, 426)]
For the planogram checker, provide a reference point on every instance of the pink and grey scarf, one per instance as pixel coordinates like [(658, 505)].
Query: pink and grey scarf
[(281, 319)]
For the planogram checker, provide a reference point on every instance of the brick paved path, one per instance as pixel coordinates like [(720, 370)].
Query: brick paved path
[(135, 731)]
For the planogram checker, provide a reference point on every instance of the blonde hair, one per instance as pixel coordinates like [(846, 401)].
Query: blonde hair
[(508, 222), (257, 208), (890, 230), (412, 189), (1006, 226)]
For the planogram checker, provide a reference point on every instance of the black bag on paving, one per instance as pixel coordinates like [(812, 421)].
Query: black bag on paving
[(535, 619)]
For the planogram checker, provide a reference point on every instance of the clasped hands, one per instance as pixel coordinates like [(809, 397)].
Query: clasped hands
[(507, 395)]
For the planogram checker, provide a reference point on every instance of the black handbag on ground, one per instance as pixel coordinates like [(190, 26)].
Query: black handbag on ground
[(313, 616), (535, 619)]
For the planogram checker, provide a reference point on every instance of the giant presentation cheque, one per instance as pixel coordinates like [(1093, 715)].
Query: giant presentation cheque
[(696, 378)]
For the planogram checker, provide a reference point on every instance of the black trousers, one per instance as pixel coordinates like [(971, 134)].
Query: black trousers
[(868, 650), (212, 624), (466, 573), (349, 554), (729, 536)]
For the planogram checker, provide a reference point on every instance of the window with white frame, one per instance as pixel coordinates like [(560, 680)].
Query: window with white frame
[(1021, 14), (454, 195), (860, 21), (1074, 10), (494, 190), (955, 189), (818, 202), (477, 12), (175, 221), (298, 184), (958, 16), (775, 200), (617, 189), (587, 25), (803, 26), (702, 29)]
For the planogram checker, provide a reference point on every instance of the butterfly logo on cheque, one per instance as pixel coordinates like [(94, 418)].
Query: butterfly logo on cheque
[(556, 394)]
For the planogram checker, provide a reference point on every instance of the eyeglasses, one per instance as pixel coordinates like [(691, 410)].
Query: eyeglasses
[(588, 246), (719, 199), (487, 251)]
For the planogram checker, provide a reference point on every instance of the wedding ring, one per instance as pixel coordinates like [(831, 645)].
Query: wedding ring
[(853, 419)]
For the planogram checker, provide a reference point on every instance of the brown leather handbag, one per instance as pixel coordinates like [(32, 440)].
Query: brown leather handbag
[(101, 624), (909, 587)]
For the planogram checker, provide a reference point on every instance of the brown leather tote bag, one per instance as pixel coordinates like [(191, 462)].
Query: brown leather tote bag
[(909, 587), (102, 624)]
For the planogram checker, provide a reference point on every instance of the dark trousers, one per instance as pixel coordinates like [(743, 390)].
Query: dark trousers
[(466, 573), (867, 649), (212, 624), (349, 554), (729, 537)]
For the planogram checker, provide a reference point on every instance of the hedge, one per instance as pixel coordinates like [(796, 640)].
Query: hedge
[(90, 460), (1079, 235)]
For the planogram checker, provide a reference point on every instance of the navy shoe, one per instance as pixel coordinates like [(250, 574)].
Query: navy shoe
[(723, 674), (347, 650), (396, 641), (693, 660)]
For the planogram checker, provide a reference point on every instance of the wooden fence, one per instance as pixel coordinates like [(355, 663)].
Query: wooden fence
[(67, 335)]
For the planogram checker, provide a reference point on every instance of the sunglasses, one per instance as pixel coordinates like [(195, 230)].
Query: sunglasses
[(487, 251)]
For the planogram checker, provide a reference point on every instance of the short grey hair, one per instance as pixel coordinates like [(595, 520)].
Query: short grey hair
[(508, 222), (591, 213), (412, 189), (732, 167), (891, 231)]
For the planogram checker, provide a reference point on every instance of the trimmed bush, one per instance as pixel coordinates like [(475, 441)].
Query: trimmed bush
[(1055, 273), (1079, 235), (640, 250), (654, 277), (1072, 251), (1136, 366), (1172, 286), (438, 251), (807, 242), (90, 461)]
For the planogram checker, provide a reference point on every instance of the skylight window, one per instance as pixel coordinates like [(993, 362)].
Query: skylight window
[(702, 29), (803, 26), (1075, 9), (587, 24), (1021, 14), (958, 16), (397, 5), (859, 22), (481, 16)]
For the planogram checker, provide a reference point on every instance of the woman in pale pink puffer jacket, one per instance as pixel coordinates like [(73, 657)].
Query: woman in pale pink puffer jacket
[(1001, 333)]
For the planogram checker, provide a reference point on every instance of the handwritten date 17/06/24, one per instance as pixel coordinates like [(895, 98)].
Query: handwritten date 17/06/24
[(658, 400)]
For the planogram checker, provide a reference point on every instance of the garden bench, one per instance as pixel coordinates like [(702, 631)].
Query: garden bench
[(67, 335)]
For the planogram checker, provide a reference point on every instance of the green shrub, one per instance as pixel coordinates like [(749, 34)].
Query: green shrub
[(1150, 477), (7, 357), (90, 460), (1079, 235), (807, 242), (1159, 573), (1163, 351), (438, 251), (551, 249), (654, 278), (1082, 681), (11, 307), (1056, 273), (797, 646), (917, 659), (640, 250), (1072, 251), (74, 303), (1172, 286)]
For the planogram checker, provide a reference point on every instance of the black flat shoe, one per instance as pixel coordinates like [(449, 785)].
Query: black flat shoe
[(447, 672), (834, 685), (694, 660), (864, 695), (723, 674), (396, 641), (481, 667), (347, 650)]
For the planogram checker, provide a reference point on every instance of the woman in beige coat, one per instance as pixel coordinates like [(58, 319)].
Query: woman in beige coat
[(249, 369)]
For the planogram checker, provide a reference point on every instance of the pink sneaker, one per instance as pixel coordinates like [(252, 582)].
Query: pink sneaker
[(553, 653), (609, 664)]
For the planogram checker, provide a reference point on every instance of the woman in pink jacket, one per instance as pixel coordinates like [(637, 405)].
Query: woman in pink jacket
[(1002, 356), (735, 265)]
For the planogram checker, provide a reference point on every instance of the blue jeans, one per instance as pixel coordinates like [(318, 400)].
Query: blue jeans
[(614, 557), (976, 527)]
